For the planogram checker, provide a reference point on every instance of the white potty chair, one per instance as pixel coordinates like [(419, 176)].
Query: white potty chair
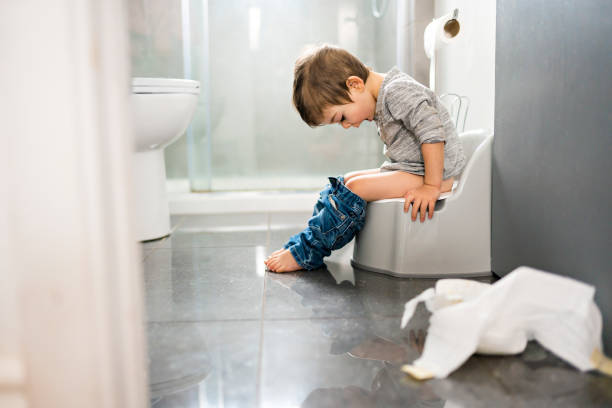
[(456, 242)]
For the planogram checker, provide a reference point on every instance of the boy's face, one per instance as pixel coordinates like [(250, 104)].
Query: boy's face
[(362, 107)]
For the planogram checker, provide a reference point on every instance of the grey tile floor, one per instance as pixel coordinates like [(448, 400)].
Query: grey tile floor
[(223, 332)]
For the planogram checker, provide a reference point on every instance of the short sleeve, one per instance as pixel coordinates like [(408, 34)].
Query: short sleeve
[(409, 103)]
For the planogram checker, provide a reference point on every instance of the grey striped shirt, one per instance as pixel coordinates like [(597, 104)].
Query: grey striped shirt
[(409, 114)]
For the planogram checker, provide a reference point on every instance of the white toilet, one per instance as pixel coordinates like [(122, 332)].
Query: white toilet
[(162, 109)]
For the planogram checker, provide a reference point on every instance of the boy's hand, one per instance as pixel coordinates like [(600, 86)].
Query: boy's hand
[(422, 198)]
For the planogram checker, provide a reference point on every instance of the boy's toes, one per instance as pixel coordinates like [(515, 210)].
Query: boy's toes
[(272, 260), (272, 264), (278, 264)]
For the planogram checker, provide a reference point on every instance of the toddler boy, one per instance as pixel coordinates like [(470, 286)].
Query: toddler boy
[(421, 144)]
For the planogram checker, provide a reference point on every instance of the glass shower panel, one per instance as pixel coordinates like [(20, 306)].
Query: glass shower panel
[(257, 139), (245, 133)]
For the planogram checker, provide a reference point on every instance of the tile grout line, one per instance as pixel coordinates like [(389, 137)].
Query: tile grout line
[(260, 351), (186, 248), (268, 233), (244, 320), (178, 224), (261, 324), (274, 319), (312, 318)]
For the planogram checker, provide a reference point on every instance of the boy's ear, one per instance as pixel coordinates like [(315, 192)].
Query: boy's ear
[(354, 82)]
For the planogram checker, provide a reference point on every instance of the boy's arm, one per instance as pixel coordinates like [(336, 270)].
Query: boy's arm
[(425, 197), (433, 155)]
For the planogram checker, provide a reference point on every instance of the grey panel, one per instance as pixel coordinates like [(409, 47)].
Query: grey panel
[(553, 140)]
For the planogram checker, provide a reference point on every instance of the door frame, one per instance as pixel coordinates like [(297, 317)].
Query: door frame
[(72, 330)]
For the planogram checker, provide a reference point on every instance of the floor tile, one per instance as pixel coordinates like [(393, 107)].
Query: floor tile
[(150, 245), (338, 362), (224, 332), (339, 290), (303, 356), (308, 294), (286, 220), (536, 378), (218, 231), (176, 220), (279, 237), (197, 365), (144, 252), (357, 362), (204, 284), (214, 239), (236, 221)]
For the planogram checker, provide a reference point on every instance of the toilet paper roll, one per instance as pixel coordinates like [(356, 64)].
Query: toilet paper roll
[(441, 31)]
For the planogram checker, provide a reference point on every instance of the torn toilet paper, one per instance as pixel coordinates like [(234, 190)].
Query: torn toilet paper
[(473, 317)]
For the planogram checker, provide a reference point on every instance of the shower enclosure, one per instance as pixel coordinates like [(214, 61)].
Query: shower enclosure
[(246, 135)]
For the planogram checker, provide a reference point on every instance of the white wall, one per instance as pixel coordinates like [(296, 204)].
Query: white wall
[(468, 66), (71, 320)]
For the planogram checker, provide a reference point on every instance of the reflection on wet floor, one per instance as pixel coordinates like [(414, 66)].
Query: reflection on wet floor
[(224, 333)]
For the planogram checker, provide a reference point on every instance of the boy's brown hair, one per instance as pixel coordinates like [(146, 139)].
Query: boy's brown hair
[(319, 81)]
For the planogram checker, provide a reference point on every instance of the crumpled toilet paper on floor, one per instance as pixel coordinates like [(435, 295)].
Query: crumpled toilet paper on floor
[(473, 317)]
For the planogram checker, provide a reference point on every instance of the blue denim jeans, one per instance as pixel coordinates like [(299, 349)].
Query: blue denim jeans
[(338, 215)]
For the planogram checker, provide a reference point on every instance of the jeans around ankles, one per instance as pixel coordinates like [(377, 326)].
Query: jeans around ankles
[(338, 215)]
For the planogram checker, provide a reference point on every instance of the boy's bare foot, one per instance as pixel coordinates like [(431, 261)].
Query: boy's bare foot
[(282, 261)]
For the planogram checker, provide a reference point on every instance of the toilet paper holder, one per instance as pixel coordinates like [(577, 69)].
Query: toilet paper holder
[(440, 32)]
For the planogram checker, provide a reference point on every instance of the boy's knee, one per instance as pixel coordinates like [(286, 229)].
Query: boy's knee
[(356, 185)]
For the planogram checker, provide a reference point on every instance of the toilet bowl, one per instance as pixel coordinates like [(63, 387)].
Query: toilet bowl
[(456, 242), (162, 109)]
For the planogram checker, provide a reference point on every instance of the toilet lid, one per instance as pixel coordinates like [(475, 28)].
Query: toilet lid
[(164, 85)]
